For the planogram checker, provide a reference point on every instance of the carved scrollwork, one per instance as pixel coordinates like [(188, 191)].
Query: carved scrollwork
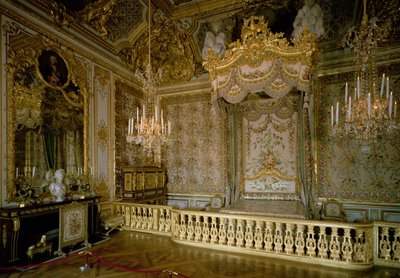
[(98, 14), (170, 50), (60, 14)]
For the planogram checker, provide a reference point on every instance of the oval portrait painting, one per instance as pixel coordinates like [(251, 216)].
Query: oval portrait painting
[(53, 69)]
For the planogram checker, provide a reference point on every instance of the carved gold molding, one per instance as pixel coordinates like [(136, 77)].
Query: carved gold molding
[(102, 135)]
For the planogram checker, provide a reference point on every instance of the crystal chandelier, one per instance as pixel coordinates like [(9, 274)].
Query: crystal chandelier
[(149, 129), (368, 113)]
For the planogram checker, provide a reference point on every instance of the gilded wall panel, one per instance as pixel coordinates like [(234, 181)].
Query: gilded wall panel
[(102, 119), (196, 155)]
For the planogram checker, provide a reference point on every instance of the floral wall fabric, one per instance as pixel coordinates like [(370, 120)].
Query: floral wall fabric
[(271, 153), (196, 155), (126, 154), (354, 169)]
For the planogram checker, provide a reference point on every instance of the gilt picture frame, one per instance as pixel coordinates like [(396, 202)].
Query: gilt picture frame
[(53, 69)]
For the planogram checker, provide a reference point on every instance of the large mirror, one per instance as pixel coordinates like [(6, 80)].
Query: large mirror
[(47, 119)]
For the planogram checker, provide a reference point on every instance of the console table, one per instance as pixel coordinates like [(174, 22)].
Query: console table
[(21, 227)]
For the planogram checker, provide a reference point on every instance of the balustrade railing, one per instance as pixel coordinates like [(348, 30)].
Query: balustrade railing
[(347, 245)]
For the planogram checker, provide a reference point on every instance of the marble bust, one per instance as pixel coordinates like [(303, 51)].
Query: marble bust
[(58, 188)]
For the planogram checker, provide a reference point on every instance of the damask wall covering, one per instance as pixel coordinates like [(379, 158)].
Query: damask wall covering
[(127, 99), (351, 169), (196, 157)]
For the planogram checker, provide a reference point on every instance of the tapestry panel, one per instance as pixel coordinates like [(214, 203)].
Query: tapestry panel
[(196, 155), (271, 154)]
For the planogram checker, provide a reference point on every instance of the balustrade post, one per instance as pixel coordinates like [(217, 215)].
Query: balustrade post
[(359, 247), (278, 238), (384, 244), (310, 242), (190, 228), (322, 244), (396, 245), (268, 236), (249, 236), (139, 217), (231, 232), (161, 226), (347, 246), (174, 224), (155, 219), (128, 216), (334, 245), (299, 242), (144, 218), (182, 226), (197, 230), (222, 239), (258, 237), (206, 230), (214, 230), (239, 233), (288, 240), (168, 225)]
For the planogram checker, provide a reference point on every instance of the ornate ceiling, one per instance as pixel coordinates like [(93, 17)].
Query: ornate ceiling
[(179, 27)]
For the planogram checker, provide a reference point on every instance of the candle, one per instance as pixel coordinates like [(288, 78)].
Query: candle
[(387, 88), (346, 92), (332, 115), (390, 104), (16, 172), (349, 108), (358, 87), (374, 89), (144, 111), (129, 126), (169, 128), (369, 104), (382, 84), (33, 171), (395, 109), (156, 113), (337, 113)]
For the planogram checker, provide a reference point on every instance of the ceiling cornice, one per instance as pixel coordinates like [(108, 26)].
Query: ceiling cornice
[(206, 8)]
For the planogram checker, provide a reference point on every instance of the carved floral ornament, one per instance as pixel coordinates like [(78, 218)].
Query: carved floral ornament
[(262, 61)]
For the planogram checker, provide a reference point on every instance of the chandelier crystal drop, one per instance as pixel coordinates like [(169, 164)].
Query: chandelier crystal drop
[(371, 111), (149, 129)]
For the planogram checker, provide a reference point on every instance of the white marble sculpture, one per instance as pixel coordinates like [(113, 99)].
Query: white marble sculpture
[(58, 188), (215, 40), (311, 16)]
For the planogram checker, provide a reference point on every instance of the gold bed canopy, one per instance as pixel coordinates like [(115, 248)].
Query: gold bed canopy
[(262, 61)]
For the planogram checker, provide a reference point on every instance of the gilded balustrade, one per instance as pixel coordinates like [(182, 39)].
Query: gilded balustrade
[(387, 249), (346, 245)]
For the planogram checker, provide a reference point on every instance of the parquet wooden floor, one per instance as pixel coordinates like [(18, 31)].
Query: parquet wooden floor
[(153, 252)]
